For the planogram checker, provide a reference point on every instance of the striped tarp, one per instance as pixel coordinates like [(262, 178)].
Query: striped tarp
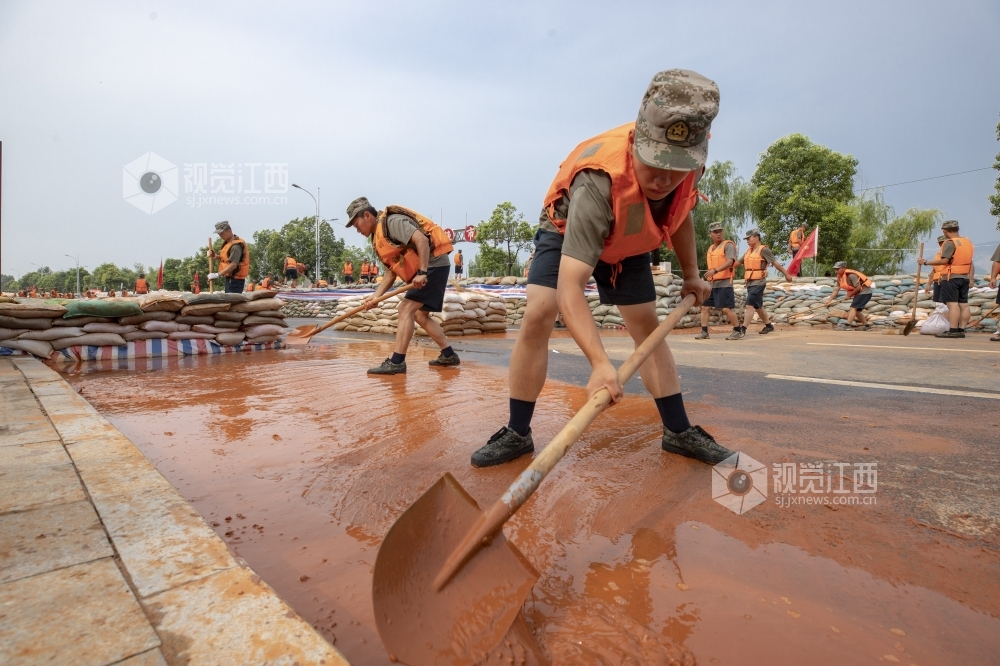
[(161, 348)]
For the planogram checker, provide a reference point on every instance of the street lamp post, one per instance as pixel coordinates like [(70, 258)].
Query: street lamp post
[(316, 272), (77, 258)]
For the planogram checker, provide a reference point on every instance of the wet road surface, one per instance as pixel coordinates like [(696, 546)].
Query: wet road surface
[(311, 461)]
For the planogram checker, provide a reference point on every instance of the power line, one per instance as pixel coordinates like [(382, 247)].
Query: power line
[(920, 180)]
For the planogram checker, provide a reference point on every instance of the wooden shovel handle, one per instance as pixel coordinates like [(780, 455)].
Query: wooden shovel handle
[(518, 493), (916, 287), (211, 289), (352, 312)]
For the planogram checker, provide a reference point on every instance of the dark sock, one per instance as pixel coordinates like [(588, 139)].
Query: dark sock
[(520, 416), (672, 413), (736, 328), (954, 330), (448, 352), (704, 329), (397, 358)]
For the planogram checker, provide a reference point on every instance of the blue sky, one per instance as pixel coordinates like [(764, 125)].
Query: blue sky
[(458, 106)]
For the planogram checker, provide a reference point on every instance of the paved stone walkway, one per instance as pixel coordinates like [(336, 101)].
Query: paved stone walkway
[(103, 562)]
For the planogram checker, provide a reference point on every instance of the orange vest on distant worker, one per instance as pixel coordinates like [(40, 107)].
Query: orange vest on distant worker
[(243, 269), (250, 286), (458, 260), (348, 268), (796, 238), (717, 257), (863, 279), (961, 261), (937, 270), (364, 269), (754, 266), (290, 263), (266, 283), (634, 231), (141, 287), (323, 283), (402, 259)]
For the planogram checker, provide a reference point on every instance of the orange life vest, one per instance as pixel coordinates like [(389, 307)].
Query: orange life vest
[(267, 283), (290, 263), (937, 270), (348, 268), (250, 286), (458, 260), (195, 288), (717, 258), (402, 258), (754, 266), (323, 283), (364, 269), (961, 261), (796, 238), (634, 231), (141, 287), (864, 282), (243, 269)]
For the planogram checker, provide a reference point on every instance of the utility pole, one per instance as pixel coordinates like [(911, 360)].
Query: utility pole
[(316, 200), (77, 259)]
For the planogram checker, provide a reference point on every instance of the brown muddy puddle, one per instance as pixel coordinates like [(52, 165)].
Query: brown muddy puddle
[(302, 462)]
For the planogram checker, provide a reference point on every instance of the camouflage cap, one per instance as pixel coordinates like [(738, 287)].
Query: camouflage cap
[(950, 225), (752, 232), (675, 117), (355, 208), (715, 226), (222, 226), (840, 264), (942, 239)]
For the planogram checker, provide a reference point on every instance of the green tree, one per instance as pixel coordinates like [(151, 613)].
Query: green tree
[(995, 198), (799, 181), (297, 238), (501, 239), (8, 283), (880, 241)]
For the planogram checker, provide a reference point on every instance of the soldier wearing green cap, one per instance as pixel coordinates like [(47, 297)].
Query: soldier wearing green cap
[(234, 259), (755, 262), (617, 197), (721, 257)]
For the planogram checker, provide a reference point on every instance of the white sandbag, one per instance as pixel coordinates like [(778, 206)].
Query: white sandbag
[(39, 348), (203, 309), (452, 298), (259, 305), (494, 326), (937, 322), (254, 320), (144, 335), (278, 314), (265, 338), (32, 310), (204, 328), (453, 307), (145, 316), (36, 324), (81, 321), (90, 340), (231, 316), (230, 338), (108, 328), (191, 320), (50, 334), (161, 302), (263, 330), (228, 325), (164, 326), (191, 335), (11, 333)]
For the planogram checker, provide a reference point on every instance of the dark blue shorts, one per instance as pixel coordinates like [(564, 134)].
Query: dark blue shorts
[(721, 297), (860, 301), (234, 286), (936, 292), (755, 296), (955, 290), (632, 286), (432, 293)]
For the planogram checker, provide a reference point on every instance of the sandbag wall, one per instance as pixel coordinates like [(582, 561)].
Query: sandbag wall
[(464, 313), (42, 327)]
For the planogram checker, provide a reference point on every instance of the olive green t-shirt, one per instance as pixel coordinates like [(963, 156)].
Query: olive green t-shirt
[(400, 229), (855, 281), (589, 215)]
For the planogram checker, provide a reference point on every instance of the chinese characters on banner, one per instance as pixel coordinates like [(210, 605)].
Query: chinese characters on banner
[(467, 234)]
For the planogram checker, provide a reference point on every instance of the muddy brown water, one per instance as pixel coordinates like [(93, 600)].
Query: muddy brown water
[(301, 462)]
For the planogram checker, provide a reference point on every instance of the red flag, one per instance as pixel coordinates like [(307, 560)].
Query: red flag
[(159, 277), (806, 250)]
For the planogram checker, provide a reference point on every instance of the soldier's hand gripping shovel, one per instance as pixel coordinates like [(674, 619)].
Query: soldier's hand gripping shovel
[(303, 334), (916, 290), (447, 584)]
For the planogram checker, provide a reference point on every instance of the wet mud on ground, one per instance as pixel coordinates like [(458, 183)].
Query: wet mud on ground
[(301, 462)]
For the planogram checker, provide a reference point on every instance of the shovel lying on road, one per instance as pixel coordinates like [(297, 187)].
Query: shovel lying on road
[(303, 334), (985, 316), (916, 290), (447, 584)]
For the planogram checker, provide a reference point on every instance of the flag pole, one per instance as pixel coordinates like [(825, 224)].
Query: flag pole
[(816, 255)]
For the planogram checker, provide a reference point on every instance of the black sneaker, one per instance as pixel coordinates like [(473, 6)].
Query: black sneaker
[(388, 368), (767, 329), (442, 360), (951, 334), (695, 443), (503, 446)]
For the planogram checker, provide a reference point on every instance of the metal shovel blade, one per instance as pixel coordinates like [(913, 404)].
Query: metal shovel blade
[(301, 335), (909, 326), (460, 624)]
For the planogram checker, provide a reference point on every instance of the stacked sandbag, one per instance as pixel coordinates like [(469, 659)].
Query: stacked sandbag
[(32, 318), (464, 313), (259, 319)]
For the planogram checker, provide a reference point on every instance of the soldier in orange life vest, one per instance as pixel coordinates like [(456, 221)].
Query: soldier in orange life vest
[(268, 282), (416, 250), (459, 264), (721, 259), (348, 272), (291, 271), (994, 273), (957, 272), (234, 259), (755, 262), (859, 287), (615, 198), (796, 239), (933, 285), (141, 286)]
